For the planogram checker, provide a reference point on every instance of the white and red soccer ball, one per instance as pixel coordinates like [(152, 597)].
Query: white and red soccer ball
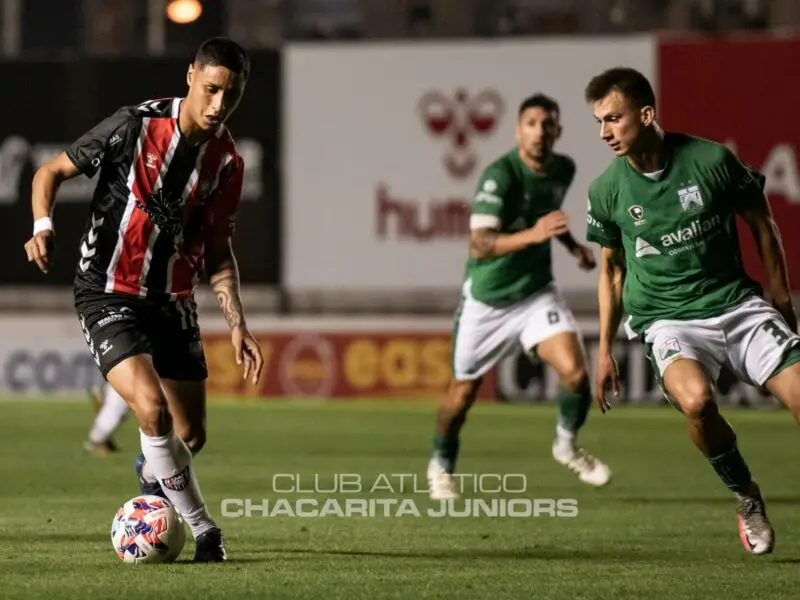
[(147, 529)]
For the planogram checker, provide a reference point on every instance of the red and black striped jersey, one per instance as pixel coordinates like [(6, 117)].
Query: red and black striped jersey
[(158, 199)]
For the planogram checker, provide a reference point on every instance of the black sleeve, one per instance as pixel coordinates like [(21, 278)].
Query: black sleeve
[(105, 142)]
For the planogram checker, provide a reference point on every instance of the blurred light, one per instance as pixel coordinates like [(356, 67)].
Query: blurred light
[(184, 11)]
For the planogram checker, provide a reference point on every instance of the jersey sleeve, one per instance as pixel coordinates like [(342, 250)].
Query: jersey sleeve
[(744, 182), (104, 143), (487, 206), (599, 226), (224, 204)]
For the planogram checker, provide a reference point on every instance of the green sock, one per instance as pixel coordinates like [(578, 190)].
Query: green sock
[(573, 407), (732, 469), (446, 450)]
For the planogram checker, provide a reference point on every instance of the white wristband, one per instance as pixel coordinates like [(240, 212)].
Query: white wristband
[(43, 224)]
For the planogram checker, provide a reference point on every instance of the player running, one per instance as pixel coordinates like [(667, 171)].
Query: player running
[(111, 410), (509, 296), (664, 213), (163, 210)]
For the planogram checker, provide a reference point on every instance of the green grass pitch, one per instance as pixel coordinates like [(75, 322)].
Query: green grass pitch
[(664, 528)]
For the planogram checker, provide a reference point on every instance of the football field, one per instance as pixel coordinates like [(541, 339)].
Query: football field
[(664, 528)]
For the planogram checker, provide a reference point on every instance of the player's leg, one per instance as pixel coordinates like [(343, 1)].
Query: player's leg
[(551, 333), (481, 336), (187, 407), (565, 354), (688, 359), (115, 330), (766, 352), (450, 418), (112, 413), (167, 456), (179, 360), (187, 404)]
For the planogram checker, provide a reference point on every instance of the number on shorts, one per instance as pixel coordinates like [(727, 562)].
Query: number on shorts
[(775, 331), (552, 317)]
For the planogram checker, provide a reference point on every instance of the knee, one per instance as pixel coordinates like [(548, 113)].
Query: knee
[(574, 378), (696, 400)]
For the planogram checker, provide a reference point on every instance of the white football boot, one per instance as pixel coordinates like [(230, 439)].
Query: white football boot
[(589, 469), (755, 530), (441, 485)]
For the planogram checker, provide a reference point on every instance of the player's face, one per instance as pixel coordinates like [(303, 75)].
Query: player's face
[(621, 123), (537, 132), (214, 93)]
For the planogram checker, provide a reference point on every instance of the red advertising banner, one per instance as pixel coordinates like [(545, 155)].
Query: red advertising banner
[(340, 365), (742, 92)]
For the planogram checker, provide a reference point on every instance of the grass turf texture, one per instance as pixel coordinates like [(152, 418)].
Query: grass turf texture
[(664, 528)]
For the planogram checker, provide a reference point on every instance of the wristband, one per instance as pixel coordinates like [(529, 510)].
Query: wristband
[(43, 224)]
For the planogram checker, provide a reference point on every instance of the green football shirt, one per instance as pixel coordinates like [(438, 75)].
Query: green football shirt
[(678, 231), (511, 197)]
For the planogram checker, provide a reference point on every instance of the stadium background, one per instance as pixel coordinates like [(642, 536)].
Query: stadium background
[(351, 238)]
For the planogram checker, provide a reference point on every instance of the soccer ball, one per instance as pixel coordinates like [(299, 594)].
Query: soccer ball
[(147, 529)]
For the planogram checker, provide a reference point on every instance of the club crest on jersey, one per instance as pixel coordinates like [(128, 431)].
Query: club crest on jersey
[(637, 214), (164, 211), (691, 200)]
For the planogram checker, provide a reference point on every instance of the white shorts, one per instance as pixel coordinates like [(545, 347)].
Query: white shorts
[(750, 340), (484, 334)]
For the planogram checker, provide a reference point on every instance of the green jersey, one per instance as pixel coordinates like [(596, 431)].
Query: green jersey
[(678, 230), (511, 197)]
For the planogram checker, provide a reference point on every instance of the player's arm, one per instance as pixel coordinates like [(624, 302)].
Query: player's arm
[(602, 230), (488, 242), (46, 181), (84, 157), (223, 270), (485, 239), (610, 311), (754, 208)]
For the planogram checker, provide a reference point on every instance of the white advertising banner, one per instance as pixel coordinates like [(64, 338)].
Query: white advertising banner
[(383, 144)]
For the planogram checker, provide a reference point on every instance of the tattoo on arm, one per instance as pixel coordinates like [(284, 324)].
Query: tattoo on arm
[(226, 288), (481, 243)]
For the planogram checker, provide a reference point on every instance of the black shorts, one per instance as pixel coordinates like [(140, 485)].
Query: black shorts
[(117, 326)]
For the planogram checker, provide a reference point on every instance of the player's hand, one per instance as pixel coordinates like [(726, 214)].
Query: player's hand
[(607, 376), (40, 250), (248, 353), (585, 257), (549, 226)]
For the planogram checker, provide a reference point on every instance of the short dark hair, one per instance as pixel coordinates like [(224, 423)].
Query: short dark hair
[(539, 101), (629, 82), (223, 52)]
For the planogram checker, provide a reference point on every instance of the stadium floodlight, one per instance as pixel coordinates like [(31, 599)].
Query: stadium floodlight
[(184, 11)]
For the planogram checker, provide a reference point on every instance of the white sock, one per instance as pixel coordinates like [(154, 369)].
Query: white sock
[(171, 462), (110, 417), (565, 439)]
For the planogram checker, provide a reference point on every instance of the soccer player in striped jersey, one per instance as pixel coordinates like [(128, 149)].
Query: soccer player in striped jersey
[(163, 212)]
